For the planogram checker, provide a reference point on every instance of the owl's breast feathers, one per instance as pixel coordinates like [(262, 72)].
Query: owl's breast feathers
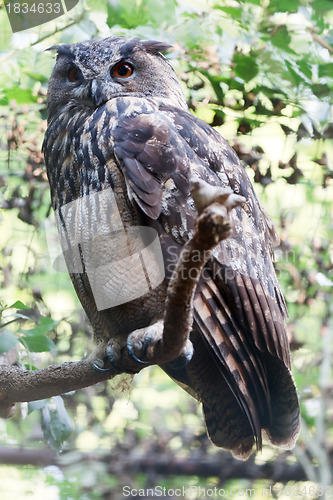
[(241, 364)]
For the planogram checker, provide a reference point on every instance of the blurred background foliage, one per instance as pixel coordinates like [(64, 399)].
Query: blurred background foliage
[(261, 72)]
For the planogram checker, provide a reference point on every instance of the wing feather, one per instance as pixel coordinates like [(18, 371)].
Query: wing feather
[(239, 310)]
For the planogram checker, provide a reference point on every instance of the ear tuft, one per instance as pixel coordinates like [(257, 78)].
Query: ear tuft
[(61, 49), (155, 46), (53, 47)]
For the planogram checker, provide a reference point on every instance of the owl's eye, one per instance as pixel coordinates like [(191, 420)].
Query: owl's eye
[(74, 74), (122, 70)]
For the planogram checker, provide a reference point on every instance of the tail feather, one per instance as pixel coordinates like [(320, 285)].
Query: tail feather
[(235, 364), (285, 425), (247, 389), (227, 423), (240, 369)]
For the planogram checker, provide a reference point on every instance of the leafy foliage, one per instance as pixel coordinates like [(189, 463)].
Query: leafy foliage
[(262, 73)]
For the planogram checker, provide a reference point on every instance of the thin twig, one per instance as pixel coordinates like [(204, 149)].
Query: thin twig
[(318, 39)]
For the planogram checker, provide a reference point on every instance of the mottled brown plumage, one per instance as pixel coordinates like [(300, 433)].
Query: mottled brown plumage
[(118, 119)]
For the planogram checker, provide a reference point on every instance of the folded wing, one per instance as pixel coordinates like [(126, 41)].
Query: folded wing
[(241, 364)]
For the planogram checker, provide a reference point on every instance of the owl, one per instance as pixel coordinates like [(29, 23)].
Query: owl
[(120, 149)]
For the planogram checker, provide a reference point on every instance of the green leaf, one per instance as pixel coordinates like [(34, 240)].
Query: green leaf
[(246, 67), (325, 70), (321, 6), (296, 76), (234, 12), (215, 83), (18, 305), (283, 6), (125, 16), (56, 424), (35, 338), (21, 96), (29, 366), (236, 85), (306, 68), (45, 325), (282, 39), (270, 92), (7, 340), (132, 13), (321, 90), (36, 342)]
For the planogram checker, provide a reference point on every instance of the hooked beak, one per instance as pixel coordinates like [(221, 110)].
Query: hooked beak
[(97, 94)]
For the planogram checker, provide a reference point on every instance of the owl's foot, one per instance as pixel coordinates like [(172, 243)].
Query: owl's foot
[(145, 347), (182, 360), (142, 342), (107, 354)]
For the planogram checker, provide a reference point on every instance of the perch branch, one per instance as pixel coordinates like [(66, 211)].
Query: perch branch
[(213, 225)]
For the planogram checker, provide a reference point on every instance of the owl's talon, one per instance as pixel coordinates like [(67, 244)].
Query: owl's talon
[(107, 354), (142, 343), (97, 368), (110, 356), (131, 351)]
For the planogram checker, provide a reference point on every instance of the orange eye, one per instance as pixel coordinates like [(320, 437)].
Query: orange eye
[(74, 74), (122, 70)]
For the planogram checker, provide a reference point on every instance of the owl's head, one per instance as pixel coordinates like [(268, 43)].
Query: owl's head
[(92, 72)]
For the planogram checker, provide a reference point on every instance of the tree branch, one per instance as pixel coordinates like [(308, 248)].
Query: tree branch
[(213, 225), (222, 466), (318, 39)]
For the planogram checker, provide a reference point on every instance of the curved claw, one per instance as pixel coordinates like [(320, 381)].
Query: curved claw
[(97, 368), (131, 352), (110, 357)]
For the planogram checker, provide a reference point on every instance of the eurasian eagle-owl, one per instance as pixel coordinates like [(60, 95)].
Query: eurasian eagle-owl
[(121, 143)]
